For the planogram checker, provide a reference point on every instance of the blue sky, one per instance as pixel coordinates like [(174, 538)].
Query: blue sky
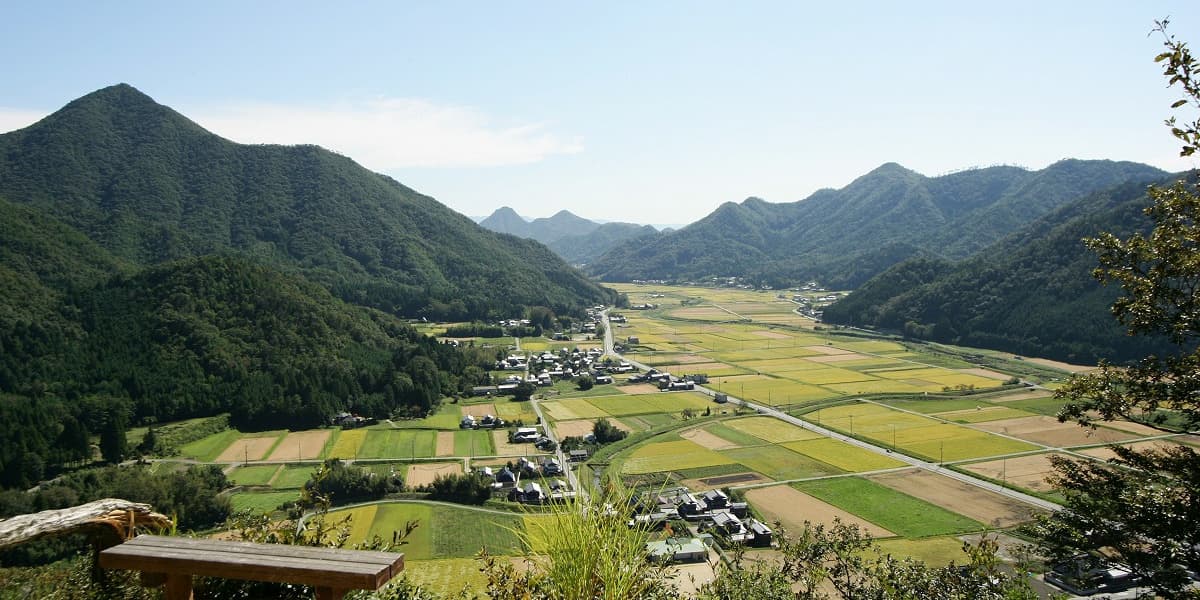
[(651, 112)]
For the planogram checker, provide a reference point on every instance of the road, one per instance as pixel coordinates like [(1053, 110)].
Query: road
[(916, 462)]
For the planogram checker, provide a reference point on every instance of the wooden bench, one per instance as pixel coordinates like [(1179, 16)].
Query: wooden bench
[(174, 560)]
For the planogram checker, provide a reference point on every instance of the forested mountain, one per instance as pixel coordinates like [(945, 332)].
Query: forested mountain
[(844, 237), (575, 239), (151, 186), (1030, 293)]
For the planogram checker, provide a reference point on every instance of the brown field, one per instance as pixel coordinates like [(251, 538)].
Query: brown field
[(949, 415), (1105, 453), (641, 388), (247, 448), (503, 448), (988, 508), (984, 373), (576, 428), (706, 439), (774, 335), (1029, 472), (709, 483), (1047, 430), (445, 443), (1054, 364), (684, 359), (424, 473), (302, 445), (478, 410), (827, 350), (1022, 394), (792, 508), (1131, 427)]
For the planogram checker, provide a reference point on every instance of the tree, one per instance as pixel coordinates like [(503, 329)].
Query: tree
[(605, 432), (1143, 506), (113, 445), (524, 391), (584, 382)]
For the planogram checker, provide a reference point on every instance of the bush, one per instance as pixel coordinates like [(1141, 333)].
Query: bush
[(341, 483), (468, 488)]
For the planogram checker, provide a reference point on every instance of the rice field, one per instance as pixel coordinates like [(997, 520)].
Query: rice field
[(398, 443), (665, 456)]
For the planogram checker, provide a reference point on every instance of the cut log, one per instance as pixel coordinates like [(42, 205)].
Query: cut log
[(108, 517)]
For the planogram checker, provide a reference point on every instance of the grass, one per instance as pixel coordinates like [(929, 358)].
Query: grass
[(447, 416), (851, 459), (899, 513), (398, 443), (253, 475), (393, 516), (208, 448), (666, 456), (261, 502), (779, 463)]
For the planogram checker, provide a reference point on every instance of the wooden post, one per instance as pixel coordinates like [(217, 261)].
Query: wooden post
[(179, 586)]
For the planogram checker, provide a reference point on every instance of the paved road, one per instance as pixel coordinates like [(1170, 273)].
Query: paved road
[(916, 462)]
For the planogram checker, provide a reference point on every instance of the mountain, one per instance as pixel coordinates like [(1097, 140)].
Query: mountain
[(844, 237), (150, 186), (575, 239), (1030, 293)]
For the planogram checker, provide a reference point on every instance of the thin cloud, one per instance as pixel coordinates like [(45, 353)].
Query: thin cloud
[(12, 119), (390, 134)]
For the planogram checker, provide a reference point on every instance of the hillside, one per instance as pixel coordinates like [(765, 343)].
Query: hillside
[(844, 237), (575, 239), (1030, 293), (150, 186)]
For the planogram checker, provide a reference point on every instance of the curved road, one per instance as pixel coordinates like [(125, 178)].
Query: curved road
[(916, 462)]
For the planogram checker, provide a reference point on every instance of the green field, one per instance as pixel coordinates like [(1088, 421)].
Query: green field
[(846, 457), (346, 443), (207, 449), (916, 434), (779, 463), (899, 513), (293, 476), (447, 416), (261, 502), (772, 430), (469, 442), (398, 443), (442, 531), (666, 456), (935, 552), (253, 475)]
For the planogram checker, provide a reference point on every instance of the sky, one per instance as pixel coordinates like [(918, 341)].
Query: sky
[(646, 112)]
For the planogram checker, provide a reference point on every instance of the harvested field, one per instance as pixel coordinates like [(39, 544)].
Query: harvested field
[(791, 508), (1047, 430), (301, 445), (1131, 427), (478, 410), (833, 358), (1028, 472), (829, 350), (503, 448), (985, 373), (1105, 452), (988, 508), (445, 443), (576, 428), (706, 439), (724, 480), (1054, 364), (639, 388), (247, 448), (424, 473)]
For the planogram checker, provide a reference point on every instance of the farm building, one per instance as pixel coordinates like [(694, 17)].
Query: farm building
[(677, 550)]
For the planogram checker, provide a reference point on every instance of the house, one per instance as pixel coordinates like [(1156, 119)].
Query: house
[(633, 340), (762, 533), (483, 390), (550, 466), (677, 550), (525, 434), (727, 523), (506, 476), (531, 493), (714, 499), (467, 422), (579, 455)]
